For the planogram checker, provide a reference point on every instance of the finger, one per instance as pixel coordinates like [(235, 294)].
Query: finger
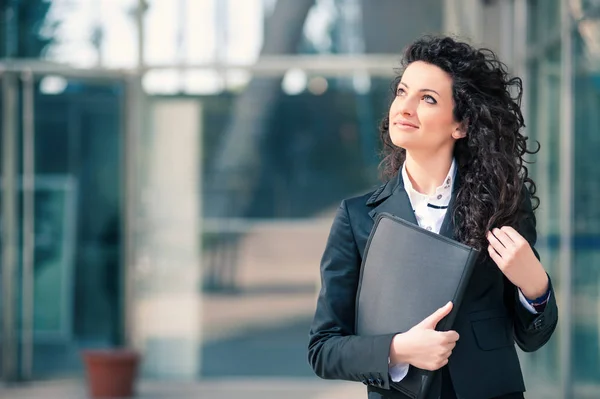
[(495, 255), (436, 364), (495, 240), (443, 363), (495, 243), (439, 364), (450, 336), (513, 234), (432, 320), (493, 236), (503, 238)]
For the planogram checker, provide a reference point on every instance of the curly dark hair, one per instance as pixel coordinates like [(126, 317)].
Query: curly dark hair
[(490, 159)]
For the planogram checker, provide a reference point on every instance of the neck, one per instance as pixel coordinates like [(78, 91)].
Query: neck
[(427, 173)]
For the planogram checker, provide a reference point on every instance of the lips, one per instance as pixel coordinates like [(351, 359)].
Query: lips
[(405, 124)]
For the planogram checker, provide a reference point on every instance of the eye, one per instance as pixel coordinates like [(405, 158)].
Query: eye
[(400, 91), (429, 99)]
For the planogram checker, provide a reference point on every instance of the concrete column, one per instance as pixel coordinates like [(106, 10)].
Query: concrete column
[(464, 18), (166, 283)]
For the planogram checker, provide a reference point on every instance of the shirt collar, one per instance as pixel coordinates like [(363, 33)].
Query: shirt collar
[(442, 194)]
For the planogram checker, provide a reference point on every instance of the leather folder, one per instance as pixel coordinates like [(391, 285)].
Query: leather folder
[(408, 273)]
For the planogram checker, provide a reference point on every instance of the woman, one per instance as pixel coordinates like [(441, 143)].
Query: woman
[(452, 146)]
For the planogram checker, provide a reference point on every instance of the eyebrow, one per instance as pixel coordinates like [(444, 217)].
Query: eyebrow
[(433, 91)]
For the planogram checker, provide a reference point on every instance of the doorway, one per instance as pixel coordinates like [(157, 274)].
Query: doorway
[(61, 280)]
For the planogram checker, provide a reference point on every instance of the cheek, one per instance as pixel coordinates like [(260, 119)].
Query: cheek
[(437, 122), (393, 107)]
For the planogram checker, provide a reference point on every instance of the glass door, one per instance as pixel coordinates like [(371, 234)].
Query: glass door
[(66, 194)]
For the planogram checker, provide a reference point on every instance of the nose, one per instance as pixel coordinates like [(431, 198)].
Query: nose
[(407, 107)]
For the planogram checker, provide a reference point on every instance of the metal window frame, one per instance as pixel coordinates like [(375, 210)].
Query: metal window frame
[(9, 227), (269, 65), (566, 199)]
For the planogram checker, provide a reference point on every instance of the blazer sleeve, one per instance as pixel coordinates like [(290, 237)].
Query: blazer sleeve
[(334, 351), (531, 331)]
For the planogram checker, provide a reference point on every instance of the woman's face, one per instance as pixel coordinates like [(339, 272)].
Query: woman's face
[(421, 118)]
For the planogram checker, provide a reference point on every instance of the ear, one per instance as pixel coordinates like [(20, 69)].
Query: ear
[(461, 131)]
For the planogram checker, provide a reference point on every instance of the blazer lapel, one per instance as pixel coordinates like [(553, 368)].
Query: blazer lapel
[(394, 200), (448, 224)]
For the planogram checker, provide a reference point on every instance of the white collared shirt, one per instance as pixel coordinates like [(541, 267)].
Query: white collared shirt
[(430, 211)]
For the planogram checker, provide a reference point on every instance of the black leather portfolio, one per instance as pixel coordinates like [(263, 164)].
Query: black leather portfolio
[(408, 273)]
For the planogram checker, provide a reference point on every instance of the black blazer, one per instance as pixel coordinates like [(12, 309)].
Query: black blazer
[(484, 363)]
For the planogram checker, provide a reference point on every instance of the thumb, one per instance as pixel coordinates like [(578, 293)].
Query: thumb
[(432, 320)]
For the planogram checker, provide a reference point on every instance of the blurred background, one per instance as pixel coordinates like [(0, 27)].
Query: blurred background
[(170, 170)]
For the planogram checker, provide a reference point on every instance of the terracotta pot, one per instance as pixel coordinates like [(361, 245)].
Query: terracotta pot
[(111, 373)]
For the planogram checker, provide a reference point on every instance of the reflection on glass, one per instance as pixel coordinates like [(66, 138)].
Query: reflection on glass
[(545, 118), (260, 273), (302, 146), (26, 30), (77, 32), (78, 183), (586, 278), (542, 369), (201, 31), (93, 33), (55, 200)]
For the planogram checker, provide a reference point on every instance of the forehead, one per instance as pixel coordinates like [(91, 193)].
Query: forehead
[(421, 75)]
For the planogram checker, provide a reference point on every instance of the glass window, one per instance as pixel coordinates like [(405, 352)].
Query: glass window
[(78, 213), (586, 278), (77, 32), (541, 368), (300, 153), (544, 20), (545, 118)]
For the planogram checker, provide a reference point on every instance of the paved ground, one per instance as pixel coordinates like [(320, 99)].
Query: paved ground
[(254, 337), (221, 389), (258, 388)]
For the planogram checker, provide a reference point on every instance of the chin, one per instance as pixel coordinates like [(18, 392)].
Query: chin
[(400, 139)]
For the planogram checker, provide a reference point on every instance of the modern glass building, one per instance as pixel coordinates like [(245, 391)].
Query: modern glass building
[(170, 169)]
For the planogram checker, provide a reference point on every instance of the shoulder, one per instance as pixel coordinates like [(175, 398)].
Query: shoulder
[(364, 201), (526, 203), (526, 223), (357, 204)]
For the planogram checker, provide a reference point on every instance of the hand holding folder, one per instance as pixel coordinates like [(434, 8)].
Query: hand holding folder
[(429, 347), (408, 273)]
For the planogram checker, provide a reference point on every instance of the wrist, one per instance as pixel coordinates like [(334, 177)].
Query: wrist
[(398, 349), (537, 289)]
